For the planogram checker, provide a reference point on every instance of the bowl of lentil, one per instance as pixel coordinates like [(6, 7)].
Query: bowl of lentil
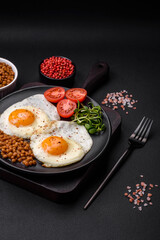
[(8, 77), (57, 70)]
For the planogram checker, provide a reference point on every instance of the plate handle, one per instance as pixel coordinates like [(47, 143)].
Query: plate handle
[(97, 75)]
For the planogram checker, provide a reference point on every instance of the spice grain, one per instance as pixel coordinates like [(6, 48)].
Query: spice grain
[(57, 67), (121, 100), (141, 196)]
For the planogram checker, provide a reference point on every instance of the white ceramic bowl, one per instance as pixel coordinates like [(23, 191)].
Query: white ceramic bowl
[(11, 86)]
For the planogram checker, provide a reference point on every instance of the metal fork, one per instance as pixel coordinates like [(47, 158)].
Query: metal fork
[(137, 139)]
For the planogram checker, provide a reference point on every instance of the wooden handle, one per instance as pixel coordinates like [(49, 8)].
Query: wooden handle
[(97, 75)]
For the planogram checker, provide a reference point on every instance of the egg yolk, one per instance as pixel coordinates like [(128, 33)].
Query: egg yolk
[(54, 145), (21, 117)]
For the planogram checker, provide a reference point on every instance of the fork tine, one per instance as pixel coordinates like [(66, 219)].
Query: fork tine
[(138, 128), (142, 128), (147, 132), (141, 135)]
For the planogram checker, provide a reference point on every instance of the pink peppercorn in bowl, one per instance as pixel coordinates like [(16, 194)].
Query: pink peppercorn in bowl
[(57, 70)]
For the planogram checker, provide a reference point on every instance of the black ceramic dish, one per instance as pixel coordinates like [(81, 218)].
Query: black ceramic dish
[(66, 82), (100, 141)]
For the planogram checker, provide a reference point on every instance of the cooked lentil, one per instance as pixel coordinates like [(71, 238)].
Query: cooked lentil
[(16, 149), (6, 74)]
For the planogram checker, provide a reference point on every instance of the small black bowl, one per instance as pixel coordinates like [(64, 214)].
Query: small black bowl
[(66, 82)]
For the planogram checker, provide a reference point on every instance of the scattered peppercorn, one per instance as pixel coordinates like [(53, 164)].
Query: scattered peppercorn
[(57, 67), (6, 74)]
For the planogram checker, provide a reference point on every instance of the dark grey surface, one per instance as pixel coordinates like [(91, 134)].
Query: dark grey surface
[(129, 42)]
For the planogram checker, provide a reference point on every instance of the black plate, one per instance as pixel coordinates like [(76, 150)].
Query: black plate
[(100, 141)]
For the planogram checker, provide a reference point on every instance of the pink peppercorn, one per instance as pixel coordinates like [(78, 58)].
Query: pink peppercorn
[(57, 67)]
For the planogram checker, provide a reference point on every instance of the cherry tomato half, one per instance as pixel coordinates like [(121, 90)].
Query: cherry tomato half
[(66, 108), (76, 94), (55, 94)]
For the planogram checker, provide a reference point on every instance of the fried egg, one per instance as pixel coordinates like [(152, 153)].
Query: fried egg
[(71, 130), (23, 118), (55, 151), (39, 101), (22, 122), (61, 144)]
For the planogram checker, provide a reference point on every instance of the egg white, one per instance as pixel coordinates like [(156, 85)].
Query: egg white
[(73, 154), (41, 120), (44, 110), (70, 130), (40, 102)]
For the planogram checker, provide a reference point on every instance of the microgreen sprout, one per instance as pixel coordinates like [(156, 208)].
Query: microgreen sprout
[(90, 116)]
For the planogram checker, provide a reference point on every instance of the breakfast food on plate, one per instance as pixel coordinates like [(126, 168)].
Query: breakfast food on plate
[(55, 151), (22, 121), (55, 143), (90, 116), (66, 107), (16, 149), (54, 94), (39, 101), (61, 144), (76, 94), (69, 130), (73, 131), (23, 118)]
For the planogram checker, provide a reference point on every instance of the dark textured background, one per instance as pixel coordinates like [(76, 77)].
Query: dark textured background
[(128, 38)]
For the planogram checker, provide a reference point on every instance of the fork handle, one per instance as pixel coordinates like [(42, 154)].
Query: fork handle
[(109, 175)]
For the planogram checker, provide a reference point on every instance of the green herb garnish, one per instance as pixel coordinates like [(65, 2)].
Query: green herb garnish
[(90, 116)]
